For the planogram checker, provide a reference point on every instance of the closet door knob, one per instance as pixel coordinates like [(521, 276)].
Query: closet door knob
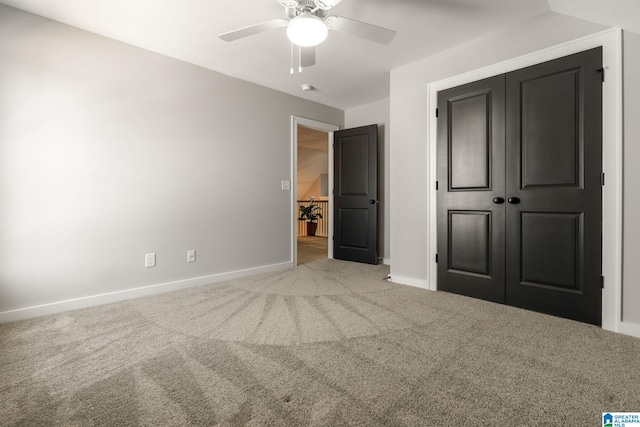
[(498, 200), (513, 200)]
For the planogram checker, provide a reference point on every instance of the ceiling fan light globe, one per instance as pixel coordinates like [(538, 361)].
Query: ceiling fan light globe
[(307, 30)]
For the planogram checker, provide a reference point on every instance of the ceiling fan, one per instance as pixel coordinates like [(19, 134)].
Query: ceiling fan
[(308, 25)]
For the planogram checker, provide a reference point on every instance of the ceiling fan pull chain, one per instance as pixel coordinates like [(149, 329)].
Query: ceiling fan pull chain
[(291, 70)]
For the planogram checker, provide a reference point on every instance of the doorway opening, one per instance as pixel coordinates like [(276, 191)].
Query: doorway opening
[(312, 164), (312, 194)]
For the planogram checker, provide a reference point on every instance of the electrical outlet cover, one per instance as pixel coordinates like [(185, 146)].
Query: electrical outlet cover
[(150, 260)]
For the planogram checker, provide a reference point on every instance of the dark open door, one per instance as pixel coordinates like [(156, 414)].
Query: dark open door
[(356, 194), (471, 189), (520, 196), (554, 147)]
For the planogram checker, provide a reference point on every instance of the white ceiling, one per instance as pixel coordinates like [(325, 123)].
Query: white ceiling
[(348, 72), (614, 13)]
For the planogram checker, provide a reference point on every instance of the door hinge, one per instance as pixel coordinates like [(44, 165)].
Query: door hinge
[(602, 282), (601, 178), (436, 258), (436, 113), (436, 185), (601, 71)]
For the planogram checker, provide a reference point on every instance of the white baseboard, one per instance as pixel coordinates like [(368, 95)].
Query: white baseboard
[(386, 261), (632, 329), (410, 281), (94, 300)]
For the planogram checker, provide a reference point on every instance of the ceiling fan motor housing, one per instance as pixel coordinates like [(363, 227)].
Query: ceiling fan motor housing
[(306, 6)]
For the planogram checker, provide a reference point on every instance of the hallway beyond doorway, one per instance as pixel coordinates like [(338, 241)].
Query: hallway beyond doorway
[(311, 248)]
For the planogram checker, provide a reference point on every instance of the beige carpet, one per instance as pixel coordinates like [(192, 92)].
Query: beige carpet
[(327, 344)]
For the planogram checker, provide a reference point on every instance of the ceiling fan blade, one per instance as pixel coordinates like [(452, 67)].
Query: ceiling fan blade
[(360, 29), (326, 4), (308, 56), (253, 29)]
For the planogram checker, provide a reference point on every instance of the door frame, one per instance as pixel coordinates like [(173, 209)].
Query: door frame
[(325, 127), (612, 134)]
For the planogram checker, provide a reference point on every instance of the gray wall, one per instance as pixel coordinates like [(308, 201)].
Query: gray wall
[(108, 152)]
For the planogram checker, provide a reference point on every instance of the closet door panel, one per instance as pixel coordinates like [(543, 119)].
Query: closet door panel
[(553, 169), (470, 176)]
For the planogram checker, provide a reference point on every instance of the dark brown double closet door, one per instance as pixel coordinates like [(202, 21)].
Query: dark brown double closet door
[(519, 188)]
